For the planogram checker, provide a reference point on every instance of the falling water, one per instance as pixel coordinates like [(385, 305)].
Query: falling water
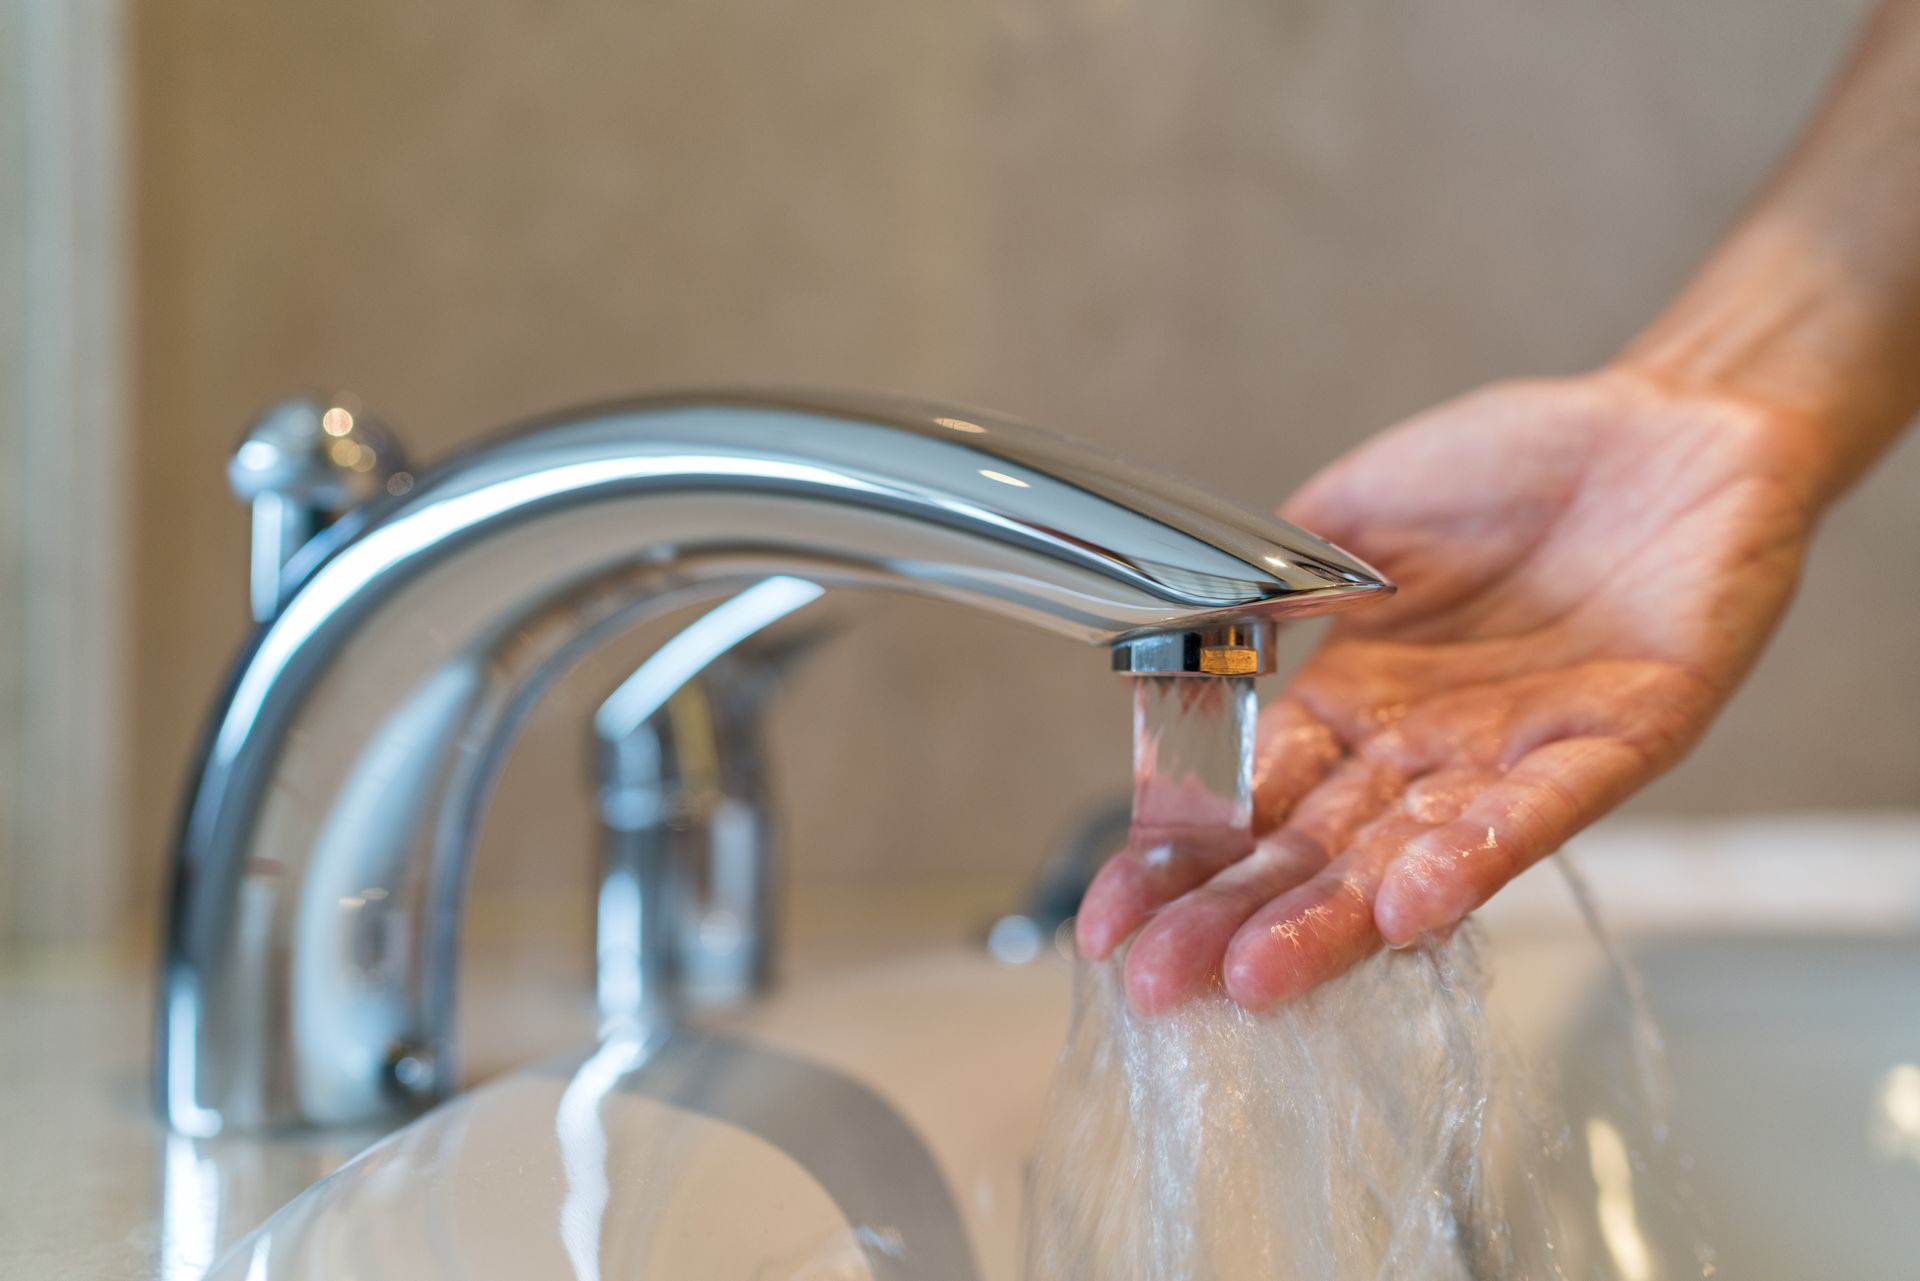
[(1193, 743), (1376, 1128)]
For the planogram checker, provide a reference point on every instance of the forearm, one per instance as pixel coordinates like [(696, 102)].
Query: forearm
[(1812, 305)]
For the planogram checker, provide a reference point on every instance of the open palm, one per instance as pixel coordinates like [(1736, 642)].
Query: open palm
[(1587, 568)]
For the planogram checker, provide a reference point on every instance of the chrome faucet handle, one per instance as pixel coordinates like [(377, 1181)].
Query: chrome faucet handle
[(303, 464), (685, 915)]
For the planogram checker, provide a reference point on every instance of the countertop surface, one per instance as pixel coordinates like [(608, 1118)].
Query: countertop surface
[(94, 1187)]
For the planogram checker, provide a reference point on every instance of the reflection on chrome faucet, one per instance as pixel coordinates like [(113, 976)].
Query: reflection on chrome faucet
[(583, 1142), (309, 969), (189, 1210), (686, 903), (213, 1191)]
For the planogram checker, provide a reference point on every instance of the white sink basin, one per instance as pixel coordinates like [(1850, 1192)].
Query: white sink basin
[(1794, 1062), (874, 1126), (879, 1126)]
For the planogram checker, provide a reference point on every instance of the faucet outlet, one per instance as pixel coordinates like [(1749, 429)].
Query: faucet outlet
[(1231, 649)]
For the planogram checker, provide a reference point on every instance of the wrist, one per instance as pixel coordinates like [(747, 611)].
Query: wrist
[(1794, 450), (1811, 346), (1812, 306)]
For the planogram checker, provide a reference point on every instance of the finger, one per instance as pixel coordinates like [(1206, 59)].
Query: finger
[(1137, 881), (1146, 876), (1360, 797), (1316, 930), (1441, 797), (1295, 754), (1549, 795), (1295, 751), (1358, 791), (1177, 955)]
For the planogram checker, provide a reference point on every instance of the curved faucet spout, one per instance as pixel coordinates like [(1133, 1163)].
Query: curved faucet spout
[(309, 965)]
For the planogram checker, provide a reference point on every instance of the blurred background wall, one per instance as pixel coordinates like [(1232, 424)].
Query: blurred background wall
[(1229, 238), (68, 870)]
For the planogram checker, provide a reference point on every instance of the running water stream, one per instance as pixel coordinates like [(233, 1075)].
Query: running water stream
[(1377, 1128), (1193, 746)]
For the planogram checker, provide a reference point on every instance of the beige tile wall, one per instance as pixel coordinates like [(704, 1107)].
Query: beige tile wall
[(1228, 237), (63, 509)]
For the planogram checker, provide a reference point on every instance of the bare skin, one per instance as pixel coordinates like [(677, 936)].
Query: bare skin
[(1588, 568)]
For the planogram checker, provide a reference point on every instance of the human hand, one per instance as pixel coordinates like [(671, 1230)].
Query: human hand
[(1587, 568)]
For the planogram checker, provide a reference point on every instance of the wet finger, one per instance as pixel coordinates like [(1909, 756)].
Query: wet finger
[(1137, 881), (1293, 754), (1441, 797), (1358, 791), (1177, 955), (1514, 822), (1317, 929)]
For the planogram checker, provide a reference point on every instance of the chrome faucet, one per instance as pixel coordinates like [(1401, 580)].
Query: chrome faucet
[(309, 967)]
